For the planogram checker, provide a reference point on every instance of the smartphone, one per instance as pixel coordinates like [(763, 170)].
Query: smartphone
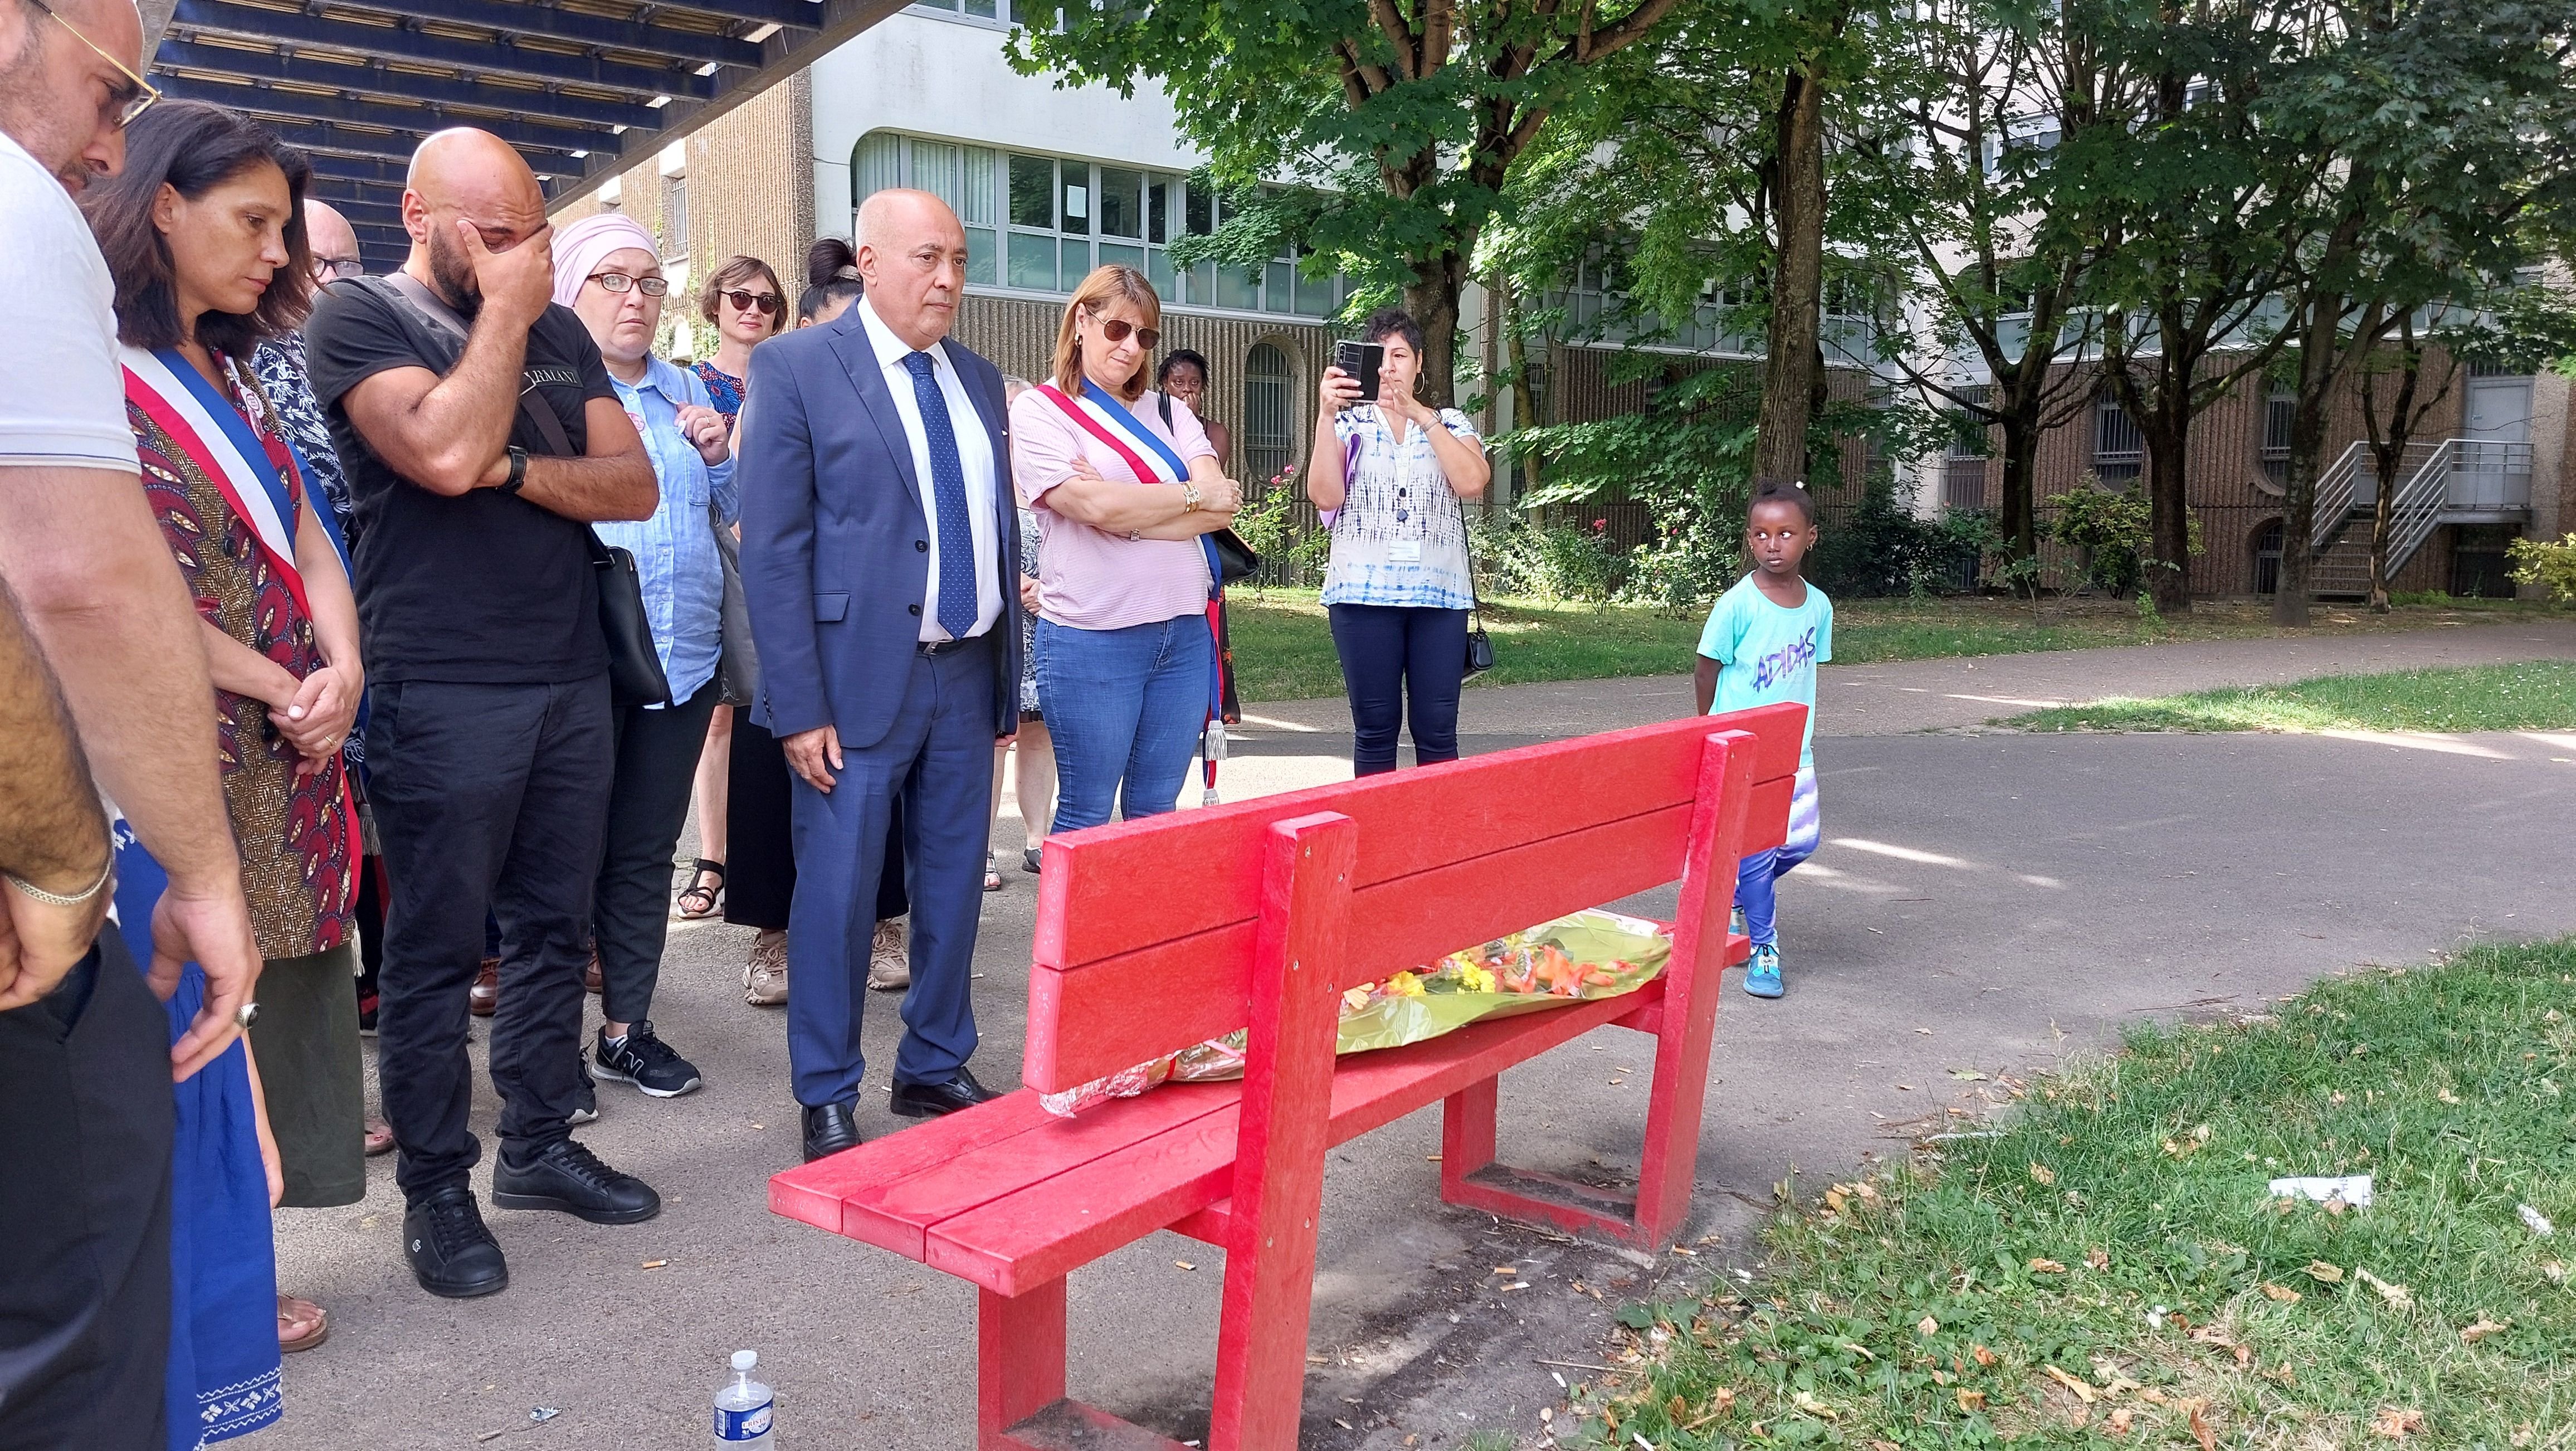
[(1361, 361)]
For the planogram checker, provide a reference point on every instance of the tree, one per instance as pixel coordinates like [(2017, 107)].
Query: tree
[(1721, 142), (1956, 164), (2448, 127), (2197, 235), (1406, 118)]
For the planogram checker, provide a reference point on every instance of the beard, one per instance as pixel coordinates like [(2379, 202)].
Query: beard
[(453, 274)]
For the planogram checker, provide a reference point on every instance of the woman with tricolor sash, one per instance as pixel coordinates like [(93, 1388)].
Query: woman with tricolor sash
[(1127, 667), (204, 233)]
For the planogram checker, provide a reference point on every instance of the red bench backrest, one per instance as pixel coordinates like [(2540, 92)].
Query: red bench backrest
[(1146, 929)]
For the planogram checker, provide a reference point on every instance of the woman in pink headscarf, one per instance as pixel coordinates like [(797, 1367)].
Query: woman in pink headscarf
[(608, 272)]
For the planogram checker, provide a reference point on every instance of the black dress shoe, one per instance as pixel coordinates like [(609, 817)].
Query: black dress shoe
[(452, 1254), (928, 1100), (568, 1177), (830, 1129)]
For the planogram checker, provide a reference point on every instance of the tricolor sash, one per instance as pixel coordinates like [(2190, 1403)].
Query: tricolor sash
[(255, 473)]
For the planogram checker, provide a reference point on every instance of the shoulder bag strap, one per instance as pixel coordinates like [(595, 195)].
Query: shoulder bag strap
[(444, 319)]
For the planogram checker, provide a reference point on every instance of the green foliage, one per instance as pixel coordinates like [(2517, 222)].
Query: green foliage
[(1884, 548), (2107, 529), (1684, 571), (2112, 1224), (1518, 557), (2550, 565)]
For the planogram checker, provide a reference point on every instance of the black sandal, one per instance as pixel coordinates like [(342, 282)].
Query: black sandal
[(700, 899)]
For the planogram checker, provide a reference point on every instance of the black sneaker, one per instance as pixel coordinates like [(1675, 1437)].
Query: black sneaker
[(452, 1254), (585, 1103), (643, 1060), (566, 1176)]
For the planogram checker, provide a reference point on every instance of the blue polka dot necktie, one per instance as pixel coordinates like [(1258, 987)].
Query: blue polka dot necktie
[(957, 612)]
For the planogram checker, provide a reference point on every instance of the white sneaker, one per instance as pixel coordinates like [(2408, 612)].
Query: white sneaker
[(764, 977), (890, 957)]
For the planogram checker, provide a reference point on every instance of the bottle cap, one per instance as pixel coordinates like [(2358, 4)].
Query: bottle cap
[(745, 1359)]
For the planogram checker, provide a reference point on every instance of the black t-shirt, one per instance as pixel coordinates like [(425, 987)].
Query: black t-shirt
[(482, 588)]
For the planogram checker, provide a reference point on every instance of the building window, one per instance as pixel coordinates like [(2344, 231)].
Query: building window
[(2279, 408), (1963, 469), (1042, 223), (2267, 558), (1269, 412), (2118, 448), (675, 219), (1011, 12)]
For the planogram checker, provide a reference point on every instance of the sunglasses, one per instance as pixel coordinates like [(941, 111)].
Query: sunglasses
[(742, 301), (619, 282), (130, 106), (1116, 330)]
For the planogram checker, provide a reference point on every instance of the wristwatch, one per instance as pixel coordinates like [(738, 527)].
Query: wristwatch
[(518, 478), (1189, 497)]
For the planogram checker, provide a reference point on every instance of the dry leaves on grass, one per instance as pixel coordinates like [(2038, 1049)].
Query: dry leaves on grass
[(2042, 1174), (1807, 1402), (2396, 1424), (1972, 1400), (2472, 1334), (2282, 1294), (2046, 1267), (2197, 1409), (2082, 1391), (1982, 1355), (2397, 1296), (2324, 1273)]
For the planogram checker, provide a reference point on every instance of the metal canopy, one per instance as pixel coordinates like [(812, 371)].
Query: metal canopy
[(584, 89)]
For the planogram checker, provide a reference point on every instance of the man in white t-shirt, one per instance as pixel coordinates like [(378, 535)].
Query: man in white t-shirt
[(85, 1268)]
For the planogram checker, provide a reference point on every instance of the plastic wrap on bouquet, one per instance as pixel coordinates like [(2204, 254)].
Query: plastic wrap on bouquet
[(1575, 958)]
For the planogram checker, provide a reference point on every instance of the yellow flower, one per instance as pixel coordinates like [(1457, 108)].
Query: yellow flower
[(1404, 985), (1475, 979)]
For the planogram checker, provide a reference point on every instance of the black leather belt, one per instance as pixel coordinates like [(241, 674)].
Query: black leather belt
[(933, 649)]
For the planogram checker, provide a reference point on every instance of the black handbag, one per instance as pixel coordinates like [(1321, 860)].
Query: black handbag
[(634, 666), (1236, 561), (1480, 646)]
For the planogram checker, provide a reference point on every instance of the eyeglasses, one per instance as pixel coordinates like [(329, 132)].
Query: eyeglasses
[(741, 301), (144, 93), (1116, 330), (619, 282), (339, 267)]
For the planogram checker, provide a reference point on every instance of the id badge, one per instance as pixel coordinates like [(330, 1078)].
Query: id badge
[(1405, 551)]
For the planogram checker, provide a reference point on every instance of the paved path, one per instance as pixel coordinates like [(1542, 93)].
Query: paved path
[(1982, 901)]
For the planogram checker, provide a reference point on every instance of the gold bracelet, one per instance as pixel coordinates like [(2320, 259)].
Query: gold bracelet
[(57, 899)]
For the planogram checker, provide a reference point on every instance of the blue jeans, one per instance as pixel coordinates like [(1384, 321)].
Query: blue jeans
[(1126, 708), (1754, 879)]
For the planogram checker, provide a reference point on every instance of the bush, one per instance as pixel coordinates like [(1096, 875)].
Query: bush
[(1685, 569), (2108, 532), (2549, 565), (1882, 548), (1547, 562)]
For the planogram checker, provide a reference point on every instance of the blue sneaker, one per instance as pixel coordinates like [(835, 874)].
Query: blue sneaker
[(1762, 971)]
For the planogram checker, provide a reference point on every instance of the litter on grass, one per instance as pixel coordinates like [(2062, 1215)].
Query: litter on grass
[(2535, 1221), (2351, 1189)]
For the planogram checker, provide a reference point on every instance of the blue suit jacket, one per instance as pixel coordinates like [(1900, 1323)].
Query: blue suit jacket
[(835, 541)]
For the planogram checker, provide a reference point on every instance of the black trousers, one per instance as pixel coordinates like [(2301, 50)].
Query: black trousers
[(760, 870), (1399, 660), (485, 795), (648, 803), (85, 1139)]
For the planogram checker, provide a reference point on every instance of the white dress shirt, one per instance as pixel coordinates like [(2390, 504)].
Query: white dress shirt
[(974, 453)]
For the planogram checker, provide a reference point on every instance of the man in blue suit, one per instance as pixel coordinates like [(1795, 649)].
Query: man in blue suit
[(880, 559)]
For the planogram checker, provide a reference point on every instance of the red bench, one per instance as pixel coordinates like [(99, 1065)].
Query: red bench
[(1158, 934)]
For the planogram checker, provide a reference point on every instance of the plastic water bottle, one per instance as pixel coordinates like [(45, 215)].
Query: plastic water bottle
[(743, 1409)]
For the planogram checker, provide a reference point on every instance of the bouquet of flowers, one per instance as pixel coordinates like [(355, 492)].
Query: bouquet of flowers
[(1576, 958)]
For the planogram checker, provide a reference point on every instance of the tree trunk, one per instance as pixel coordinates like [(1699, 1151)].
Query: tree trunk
[(2388, 456), (2020, 521), (1433, 302), (2168, 432), (2320, 365), (1792, 369), (1524, 397)]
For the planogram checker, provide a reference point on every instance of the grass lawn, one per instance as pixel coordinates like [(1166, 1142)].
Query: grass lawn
[(1283, 647), (2109, 1270), (2534, 695)]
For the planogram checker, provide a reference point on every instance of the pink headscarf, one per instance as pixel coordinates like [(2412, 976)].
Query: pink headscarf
[(580, 247)]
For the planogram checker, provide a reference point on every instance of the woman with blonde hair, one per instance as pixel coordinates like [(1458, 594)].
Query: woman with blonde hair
[(1124, 504)]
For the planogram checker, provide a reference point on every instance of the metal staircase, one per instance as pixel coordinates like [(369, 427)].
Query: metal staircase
[(2454, 480)]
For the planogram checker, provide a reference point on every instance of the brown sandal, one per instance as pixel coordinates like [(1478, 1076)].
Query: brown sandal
[(301, 1324), (700, 899)]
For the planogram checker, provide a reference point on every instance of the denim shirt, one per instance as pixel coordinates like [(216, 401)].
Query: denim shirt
[(675, 550)]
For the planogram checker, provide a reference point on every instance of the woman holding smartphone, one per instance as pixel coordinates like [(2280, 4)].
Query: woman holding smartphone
[(1388, 475)]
